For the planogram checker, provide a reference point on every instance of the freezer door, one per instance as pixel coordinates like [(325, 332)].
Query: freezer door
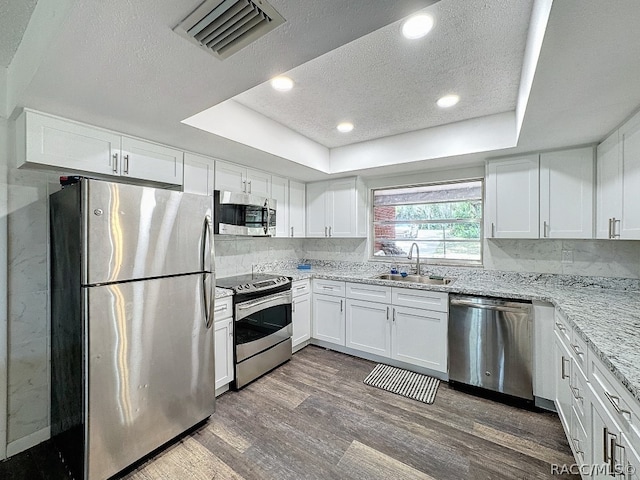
[(150, 368), (134, 232)]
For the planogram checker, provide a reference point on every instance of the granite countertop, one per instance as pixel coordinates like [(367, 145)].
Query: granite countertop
[(223, 292), (606, 318)]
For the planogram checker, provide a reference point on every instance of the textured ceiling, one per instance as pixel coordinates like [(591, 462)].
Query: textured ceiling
[(14, 17), (386, 84)]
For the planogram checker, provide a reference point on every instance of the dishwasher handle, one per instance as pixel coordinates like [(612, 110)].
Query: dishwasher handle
[(495, 307)]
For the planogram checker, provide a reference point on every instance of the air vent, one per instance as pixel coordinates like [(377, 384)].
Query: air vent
[(224, 27)]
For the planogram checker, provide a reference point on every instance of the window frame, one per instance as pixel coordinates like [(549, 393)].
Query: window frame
[(426, 260)]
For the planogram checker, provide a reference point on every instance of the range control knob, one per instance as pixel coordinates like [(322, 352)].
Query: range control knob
[(247, 286), (240, 287)]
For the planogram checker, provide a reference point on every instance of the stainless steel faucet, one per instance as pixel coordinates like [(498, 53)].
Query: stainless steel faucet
[(410, 257)]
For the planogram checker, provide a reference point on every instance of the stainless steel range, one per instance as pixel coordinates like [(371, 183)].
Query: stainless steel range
[(262, 327)]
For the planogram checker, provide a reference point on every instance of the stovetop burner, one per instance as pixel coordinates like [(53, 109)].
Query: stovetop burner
[(252, 282)]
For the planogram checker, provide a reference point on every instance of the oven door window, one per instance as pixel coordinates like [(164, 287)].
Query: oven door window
[(263, 323)]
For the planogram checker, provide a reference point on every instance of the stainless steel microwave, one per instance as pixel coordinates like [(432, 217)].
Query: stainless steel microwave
[(243, 214)]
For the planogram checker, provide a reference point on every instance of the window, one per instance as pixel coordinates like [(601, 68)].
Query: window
[(445, 220)]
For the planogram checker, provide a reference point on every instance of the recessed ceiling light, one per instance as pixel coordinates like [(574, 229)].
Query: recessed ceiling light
[(345, 127), (282, 84), (417, 26), (448, 101)]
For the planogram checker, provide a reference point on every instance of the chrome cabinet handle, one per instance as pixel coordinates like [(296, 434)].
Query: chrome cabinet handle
[(125, 160), (618, 221), (301, 288), (387, 313), (293, 306), (244, 186), (561, 327), (544, 229), (327, 287), (611, 228), (292, 231), (576, 444), (576, 393), (231, 328), (115, 162), (493, 229), (615, 401), (394, 314), (563, 371), (249, 186), (221, 308), (329, 231), (605, 438), (612, 457), (341, 305), (577, 350), (325, 231)]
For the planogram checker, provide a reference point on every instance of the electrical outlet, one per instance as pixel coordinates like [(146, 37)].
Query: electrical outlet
[(567, 256)]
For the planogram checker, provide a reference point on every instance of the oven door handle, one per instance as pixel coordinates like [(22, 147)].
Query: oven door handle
[(247, 308)]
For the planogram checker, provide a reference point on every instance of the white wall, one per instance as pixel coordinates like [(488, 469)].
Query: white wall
[(3, 284)]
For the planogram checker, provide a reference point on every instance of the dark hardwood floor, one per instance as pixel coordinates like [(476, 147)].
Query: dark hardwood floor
[(314, 418)]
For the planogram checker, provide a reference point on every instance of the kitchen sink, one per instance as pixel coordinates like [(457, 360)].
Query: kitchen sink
[(415, 279)]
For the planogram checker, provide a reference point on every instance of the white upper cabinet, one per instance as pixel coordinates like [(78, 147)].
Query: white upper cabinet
[(198, 174), (336, 208), (280, 193), (150, 161), (297, 209), (511, 201), (618, 166), (48, 141), (236, 178), (630, 142), (609, 185), (566, 193)]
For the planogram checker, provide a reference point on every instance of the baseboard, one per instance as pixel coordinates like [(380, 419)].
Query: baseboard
[(300, 346), (222, 389), (545, 404), (29, 441)]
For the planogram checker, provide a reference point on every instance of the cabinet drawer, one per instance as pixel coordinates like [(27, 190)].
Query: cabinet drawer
[(579, 393), (300, 287), (578, 438), (328, 287), (408, 297), (579, 350), (222, 308), (562, 328), (373, 293), (618, 403)]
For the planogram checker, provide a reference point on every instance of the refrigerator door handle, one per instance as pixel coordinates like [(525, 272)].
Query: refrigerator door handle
[(207, 241)]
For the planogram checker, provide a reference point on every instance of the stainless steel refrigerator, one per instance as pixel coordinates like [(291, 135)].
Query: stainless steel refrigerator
[(132, 293)]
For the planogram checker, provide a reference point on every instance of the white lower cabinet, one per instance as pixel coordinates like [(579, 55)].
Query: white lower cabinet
[(384, 321), (329, 318), (223, 334), (301, 313), (419, 337), (369, 327)]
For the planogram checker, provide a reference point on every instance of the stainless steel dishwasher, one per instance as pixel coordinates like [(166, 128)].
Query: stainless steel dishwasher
[(490, 344)]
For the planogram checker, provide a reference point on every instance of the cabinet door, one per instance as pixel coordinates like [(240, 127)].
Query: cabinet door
[(562, 361), (630, 142), (280, 193), (297, 208), (230, 177), (604, 434), (198, 174), (512, 209), (316, 209), (609, 185), (66, 145), (419, 337), (566, 194), (341, 208), (258, 183), (328, 319), (301, 318), (150, 161), (224, 352), (368, 327)]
